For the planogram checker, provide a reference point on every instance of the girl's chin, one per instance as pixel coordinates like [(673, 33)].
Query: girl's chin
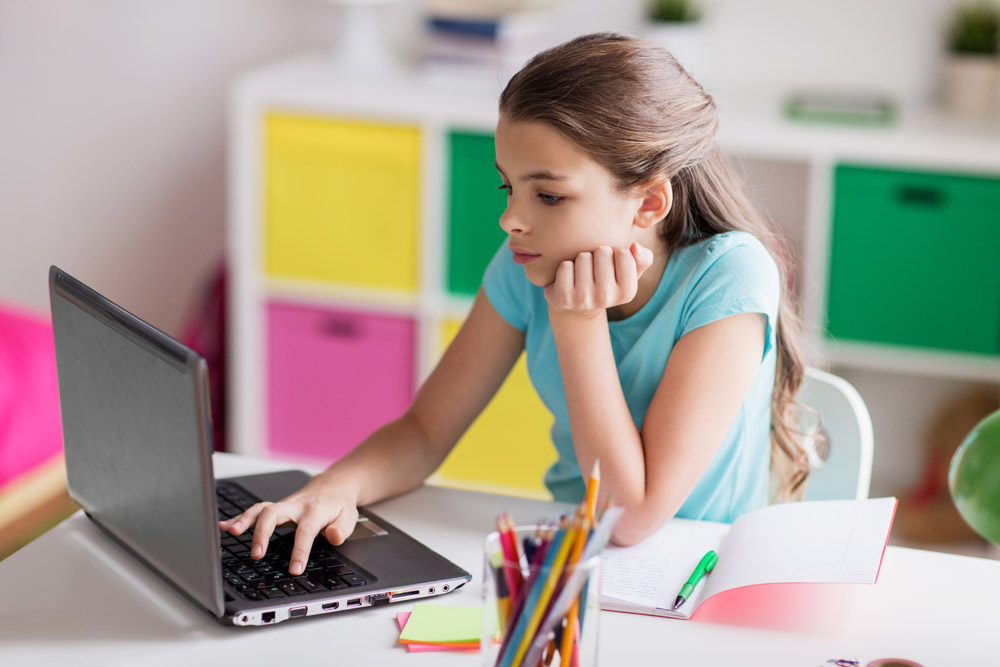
[(538, 276)]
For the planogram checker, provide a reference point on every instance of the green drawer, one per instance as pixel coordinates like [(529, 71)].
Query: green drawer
[(474, 209), (915, 259)]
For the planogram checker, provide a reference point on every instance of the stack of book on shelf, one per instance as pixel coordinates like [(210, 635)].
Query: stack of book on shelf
[(490, 38)]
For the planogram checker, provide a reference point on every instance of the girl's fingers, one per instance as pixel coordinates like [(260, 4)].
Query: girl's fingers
[(583, 270), (241, 522), (643, 258), (305, 534), (342, 527), (603, 278), (269, 518), (310, 518), (564, 275), (560, 291), (627, 272), (604, 275)]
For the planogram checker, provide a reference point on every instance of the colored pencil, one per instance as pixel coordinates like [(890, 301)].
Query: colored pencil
[(592, 484), (511, 568), (547, 585), (547, 578), (576, 582), (503, 594), (571, 633)]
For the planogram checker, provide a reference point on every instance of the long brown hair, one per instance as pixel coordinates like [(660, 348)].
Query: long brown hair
[(630, 105)]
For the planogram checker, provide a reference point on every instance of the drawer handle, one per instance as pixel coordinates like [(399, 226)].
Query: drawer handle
[(339, 328), (918, 195)]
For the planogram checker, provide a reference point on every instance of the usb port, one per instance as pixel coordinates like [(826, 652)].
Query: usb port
[(354, 602), (331, 605)]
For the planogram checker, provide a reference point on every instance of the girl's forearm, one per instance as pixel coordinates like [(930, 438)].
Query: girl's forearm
[(600, 421), (394, 459)]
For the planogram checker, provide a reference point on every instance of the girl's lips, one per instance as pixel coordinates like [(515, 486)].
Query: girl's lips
[(524, 257)]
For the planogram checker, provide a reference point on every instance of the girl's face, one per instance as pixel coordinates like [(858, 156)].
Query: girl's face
[(560, 202)]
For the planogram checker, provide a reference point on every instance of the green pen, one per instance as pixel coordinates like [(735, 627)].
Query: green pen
[(705, 565)]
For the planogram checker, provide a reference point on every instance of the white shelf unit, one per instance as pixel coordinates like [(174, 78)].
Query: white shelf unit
[(309, 84), (791, 165)]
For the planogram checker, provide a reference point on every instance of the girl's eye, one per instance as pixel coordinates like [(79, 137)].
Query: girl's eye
[(550, 200), (507, 188)]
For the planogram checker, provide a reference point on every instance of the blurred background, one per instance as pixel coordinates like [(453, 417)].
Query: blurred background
[(117, 163), (114, 116)]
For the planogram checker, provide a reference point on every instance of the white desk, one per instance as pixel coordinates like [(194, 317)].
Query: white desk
[(73, 597)]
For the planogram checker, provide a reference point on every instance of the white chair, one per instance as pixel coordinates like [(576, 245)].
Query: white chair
[(846, 471)]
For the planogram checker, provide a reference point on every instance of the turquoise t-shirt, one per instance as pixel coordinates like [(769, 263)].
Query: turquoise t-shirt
[(723, 275)]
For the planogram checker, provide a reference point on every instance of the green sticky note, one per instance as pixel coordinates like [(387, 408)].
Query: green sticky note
[(438, 624)]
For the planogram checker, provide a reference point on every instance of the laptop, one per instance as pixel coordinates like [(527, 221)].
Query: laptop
[(138, 443)]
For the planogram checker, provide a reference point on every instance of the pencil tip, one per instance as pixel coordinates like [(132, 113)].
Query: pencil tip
[(596, 474)]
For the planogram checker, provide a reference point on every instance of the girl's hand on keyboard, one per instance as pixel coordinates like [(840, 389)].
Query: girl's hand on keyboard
[(315, 508)]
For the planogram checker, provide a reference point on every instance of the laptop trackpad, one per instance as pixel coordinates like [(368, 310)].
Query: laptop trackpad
[(366, 528)]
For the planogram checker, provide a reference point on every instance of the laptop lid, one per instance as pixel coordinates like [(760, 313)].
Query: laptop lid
[(138, 436), (138, 444)]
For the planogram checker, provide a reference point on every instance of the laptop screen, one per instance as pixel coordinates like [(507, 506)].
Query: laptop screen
[(137, 434)]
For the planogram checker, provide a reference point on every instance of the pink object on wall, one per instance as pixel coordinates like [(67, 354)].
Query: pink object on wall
[(30, 424), (334, 377), (205, 333)]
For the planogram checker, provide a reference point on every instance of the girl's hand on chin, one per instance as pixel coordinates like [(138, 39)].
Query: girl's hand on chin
[(598, 280)]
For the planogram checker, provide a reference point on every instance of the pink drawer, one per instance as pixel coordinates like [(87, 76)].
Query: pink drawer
[(334, 377)]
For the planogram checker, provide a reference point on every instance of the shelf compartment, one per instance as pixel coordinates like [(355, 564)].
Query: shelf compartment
[(334, 377), (474, 209), (507, 449), (342, 201), (913, 260)]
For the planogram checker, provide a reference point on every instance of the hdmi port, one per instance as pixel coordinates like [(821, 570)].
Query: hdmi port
[(331, 605)]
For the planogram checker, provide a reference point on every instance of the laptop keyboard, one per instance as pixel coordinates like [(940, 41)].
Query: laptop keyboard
[(268, 578)]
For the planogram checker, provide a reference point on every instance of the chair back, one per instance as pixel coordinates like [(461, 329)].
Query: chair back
[(846, 471)]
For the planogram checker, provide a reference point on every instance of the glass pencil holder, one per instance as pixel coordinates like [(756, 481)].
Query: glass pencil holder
[(554, 611)]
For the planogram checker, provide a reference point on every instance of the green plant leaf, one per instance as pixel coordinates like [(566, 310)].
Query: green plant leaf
[(975, 29)]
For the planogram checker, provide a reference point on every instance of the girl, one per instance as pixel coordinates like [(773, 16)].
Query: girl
[(636, 280)]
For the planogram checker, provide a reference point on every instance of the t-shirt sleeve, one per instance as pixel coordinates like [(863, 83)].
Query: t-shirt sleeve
[(736, 278), (505, 283)]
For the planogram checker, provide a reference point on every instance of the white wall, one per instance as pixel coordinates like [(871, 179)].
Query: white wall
[(112, 126), (112, 114), (890, 45)]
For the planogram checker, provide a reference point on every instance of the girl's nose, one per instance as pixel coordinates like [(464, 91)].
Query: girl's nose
[(511, 223)]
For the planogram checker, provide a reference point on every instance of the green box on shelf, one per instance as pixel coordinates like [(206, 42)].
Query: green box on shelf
[(474, 209), (914, 259)]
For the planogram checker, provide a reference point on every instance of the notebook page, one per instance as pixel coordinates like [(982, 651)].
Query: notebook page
[(829, 541), (650, 574)]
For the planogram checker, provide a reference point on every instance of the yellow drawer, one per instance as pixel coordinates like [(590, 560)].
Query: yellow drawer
[(507, 449), (342, 201)]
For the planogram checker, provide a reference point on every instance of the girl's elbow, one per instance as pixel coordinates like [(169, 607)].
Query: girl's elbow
[(634, 526)]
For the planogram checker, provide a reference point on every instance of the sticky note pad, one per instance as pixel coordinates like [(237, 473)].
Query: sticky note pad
[(416, 647), (439, 624)]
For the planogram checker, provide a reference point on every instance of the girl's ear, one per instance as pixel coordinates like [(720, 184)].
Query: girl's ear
[(657, 199)]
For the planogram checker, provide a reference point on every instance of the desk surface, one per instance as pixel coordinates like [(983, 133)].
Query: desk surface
[(73, 597)]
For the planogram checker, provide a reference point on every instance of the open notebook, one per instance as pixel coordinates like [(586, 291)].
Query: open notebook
[(828, 541)]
